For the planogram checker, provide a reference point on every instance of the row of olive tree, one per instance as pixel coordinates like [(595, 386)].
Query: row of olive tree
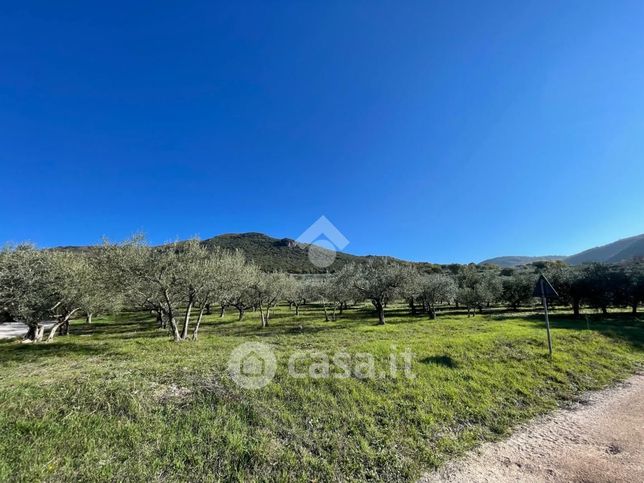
[(599, 285), (596, 285), (380, 281), (179, 282)]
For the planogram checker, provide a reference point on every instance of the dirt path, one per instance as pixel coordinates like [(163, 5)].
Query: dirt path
[(599, 440)]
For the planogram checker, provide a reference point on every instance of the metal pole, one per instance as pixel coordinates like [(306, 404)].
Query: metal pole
[(545, 308)]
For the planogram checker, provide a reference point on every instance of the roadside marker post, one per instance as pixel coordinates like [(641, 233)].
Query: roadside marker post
[(545, 290)]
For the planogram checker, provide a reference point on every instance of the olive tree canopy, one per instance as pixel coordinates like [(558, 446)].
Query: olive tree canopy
[(380, 280)]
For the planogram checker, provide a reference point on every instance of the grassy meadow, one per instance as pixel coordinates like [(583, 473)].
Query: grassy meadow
[(117, 400)]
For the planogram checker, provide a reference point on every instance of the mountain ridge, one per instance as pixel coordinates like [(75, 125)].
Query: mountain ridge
[(618, 251), (516, 260), (291, 256)]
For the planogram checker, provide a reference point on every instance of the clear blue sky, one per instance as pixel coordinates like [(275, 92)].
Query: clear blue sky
[(438, 131)]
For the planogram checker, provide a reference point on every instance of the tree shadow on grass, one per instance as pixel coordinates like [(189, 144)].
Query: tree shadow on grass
[(12, 351), (444, 360), (79, 337), (309, 321), (282, 328), (116, 328), (281, 323)]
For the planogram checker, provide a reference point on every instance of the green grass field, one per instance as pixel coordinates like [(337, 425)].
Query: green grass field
[(118, 401)]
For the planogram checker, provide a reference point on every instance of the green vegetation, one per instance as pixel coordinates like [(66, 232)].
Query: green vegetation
[(271, 254), (117, 400)]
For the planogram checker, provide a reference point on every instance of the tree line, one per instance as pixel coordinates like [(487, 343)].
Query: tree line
[(180, 282)]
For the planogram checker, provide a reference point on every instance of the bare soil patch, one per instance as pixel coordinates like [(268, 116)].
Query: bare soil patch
[(600, 439)]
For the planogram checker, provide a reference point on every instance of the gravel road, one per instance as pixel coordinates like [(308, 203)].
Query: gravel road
[(601, 439)]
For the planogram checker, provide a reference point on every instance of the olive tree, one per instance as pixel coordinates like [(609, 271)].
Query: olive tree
[(239, 291), (154, 280), (177, 279), (380, 280), (72, 285), (25, 289), (36, 285), (199, 275), (204, 276), (326, 291), (345, 290), (268, 290), (599, 287), (334, 291), (635, 284), (517, 289), (224, 274), (436, 288), (469, 298), (297, 291), (216, 275), (478, 289), (104, 292), (570, 285), (411, 289)]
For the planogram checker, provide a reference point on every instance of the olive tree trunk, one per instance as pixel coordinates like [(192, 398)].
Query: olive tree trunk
[(432, 312), (186, 321), (575, 307), (63, 322), (34, 333), (380, 310), (174, 328), (195, 333), (412, 305)]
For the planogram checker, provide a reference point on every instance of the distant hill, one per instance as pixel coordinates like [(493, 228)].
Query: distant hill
[(268, 253), (615, 252), (507, 262), (283, 254), (618, 251), (277, 254), (290, 256), (293, 257)]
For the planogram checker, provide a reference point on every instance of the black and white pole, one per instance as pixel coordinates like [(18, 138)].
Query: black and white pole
[(545, 308)]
